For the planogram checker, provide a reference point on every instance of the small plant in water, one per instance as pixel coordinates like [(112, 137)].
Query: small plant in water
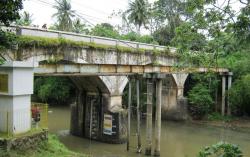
[(221, 149)]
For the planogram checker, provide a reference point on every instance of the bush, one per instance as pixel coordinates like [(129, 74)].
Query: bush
[(239, 96), (7, 40), (221, 149), (200, 101), (217, 116)]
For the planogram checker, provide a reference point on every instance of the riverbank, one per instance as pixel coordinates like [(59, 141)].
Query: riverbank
[(51, 148), (239, 124)]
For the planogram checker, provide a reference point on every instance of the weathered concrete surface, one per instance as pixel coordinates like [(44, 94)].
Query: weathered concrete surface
[(91, 56), (174, 105)]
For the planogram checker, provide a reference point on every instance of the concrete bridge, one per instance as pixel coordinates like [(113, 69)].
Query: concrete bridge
[(100, 76)]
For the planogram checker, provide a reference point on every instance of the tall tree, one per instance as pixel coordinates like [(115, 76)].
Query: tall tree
[(64, 15), (25, 20), (138, 13), (167, 15), (9, 10)]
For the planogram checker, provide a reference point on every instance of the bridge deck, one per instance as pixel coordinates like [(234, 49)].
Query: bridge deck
[(107, 69)]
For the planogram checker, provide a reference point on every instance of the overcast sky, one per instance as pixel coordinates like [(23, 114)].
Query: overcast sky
[(95, 11)]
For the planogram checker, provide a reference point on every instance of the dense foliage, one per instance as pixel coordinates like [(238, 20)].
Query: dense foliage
[(7, 40), (221, 149), (57, 90), (201, 96), (105, 30), (216, 36), (200, 101), (240, 94), (9, 10)]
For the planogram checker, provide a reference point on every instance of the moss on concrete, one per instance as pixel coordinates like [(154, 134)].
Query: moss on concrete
[(51, 148), (31, 42)]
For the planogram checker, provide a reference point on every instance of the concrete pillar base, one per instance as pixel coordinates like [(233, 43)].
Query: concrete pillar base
[(148, 151), (156, 153)]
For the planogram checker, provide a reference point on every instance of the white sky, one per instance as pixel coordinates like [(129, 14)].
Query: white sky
[(95, 11)]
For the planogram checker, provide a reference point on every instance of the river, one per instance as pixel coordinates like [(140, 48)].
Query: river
[(178, 139)]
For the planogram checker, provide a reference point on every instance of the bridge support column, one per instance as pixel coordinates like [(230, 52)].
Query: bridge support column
[(158, 117), (175, 104), (129, 113), (77, 114), (149, 116), (113, 108), (138, 116), (16, 87), (230, 74), (223, 95)]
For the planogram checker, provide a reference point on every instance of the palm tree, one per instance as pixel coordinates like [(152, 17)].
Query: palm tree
[(25, 20), (138, 13), (79, 27), (64, 15)]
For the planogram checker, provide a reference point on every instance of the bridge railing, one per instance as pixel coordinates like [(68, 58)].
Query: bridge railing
[(33, 31)]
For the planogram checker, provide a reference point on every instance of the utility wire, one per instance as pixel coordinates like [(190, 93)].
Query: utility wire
[(78, 14), (85, 6)]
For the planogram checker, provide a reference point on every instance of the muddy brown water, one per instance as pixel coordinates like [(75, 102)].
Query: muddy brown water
[(177, 139)]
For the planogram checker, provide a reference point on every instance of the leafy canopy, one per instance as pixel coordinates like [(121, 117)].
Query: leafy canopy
[(9, 10)]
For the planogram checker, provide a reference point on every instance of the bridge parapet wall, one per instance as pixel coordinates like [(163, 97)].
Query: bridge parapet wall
[(32, 31)]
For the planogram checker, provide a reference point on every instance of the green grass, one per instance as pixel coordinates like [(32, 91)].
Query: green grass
[(31, 132), (51, 148), (53, 43), (218, 117)]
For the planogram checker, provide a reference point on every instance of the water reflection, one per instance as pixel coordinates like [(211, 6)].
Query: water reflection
[(178, 139)]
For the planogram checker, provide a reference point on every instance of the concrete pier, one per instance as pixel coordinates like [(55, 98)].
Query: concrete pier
[(149, 116), (138, 116), (230, 74), (223, 95), (158, 117)]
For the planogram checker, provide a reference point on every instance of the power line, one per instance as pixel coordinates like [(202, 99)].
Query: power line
[(85, 6), (78, 14)]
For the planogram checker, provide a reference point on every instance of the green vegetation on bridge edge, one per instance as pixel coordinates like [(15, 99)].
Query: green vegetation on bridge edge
[(31, 42), (52, 148)]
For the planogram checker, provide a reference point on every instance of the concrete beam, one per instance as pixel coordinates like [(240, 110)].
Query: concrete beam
[(113, 70)]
